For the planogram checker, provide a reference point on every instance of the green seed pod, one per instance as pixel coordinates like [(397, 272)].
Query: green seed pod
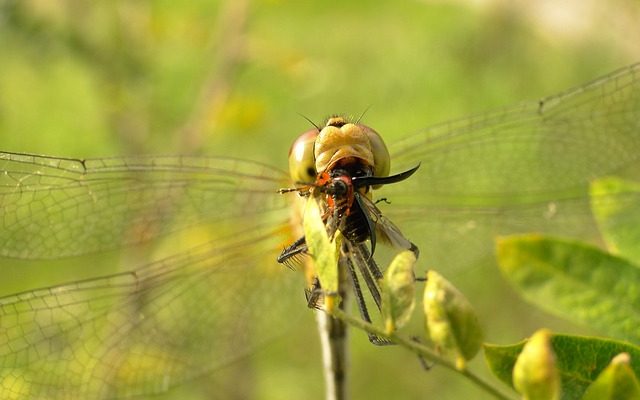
[(451, 323), (398, 291), (323, 251), (535, 374), (617, 381)]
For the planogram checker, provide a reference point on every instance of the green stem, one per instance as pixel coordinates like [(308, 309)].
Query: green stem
[(421, 350)]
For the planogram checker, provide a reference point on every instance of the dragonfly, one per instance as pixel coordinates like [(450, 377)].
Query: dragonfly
[(214, 227)]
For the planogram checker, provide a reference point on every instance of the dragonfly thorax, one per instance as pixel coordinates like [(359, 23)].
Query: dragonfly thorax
[(341, 192)]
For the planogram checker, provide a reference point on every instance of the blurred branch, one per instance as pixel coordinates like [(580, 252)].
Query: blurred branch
[(225, 62), (39, 29), (112, 57)]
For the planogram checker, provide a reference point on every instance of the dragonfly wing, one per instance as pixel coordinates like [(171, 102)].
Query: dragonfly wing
[(57, 207), (145, 326), (146, 330), (386, 230), (522, 169)]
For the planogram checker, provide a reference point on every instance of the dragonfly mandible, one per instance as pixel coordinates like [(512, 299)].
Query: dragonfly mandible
[(222, 222)]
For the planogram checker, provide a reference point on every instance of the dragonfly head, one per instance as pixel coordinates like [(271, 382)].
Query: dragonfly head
[(338, 144)]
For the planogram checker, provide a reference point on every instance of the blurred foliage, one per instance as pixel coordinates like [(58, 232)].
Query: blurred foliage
[(84, 79)]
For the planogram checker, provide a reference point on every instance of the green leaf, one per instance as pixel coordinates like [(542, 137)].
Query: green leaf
[(535, 374), (451, 323), (579, 360), (615, 206), (616, 382), (398, 289), (322, 250), (575, 281)]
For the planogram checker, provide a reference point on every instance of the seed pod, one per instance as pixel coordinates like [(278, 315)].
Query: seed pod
[(535, 374), (398, 290), (451, 323)]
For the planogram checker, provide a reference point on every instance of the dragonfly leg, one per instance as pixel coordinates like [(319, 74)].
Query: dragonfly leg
[(362, 306), (370, 272), (291, 252), (426, 365), (314, 295), (414, 249)]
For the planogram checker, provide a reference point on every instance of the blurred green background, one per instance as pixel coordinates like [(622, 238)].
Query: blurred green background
[(85, 79)]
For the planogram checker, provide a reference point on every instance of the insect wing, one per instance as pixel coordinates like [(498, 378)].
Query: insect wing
[(522, 169), (140, 330), (56, 207)]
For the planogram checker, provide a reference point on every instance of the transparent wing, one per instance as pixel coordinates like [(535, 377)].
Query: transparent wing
[(522, 169), (57, 207), (143, 329)]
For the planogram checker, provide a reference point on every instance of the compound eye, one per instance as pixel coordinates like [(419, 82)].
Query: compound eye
[(381, 158), (302, 163)]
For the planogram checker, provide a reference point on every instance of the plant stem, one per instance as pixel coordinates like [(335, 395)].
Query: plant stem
[(421, 350)]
